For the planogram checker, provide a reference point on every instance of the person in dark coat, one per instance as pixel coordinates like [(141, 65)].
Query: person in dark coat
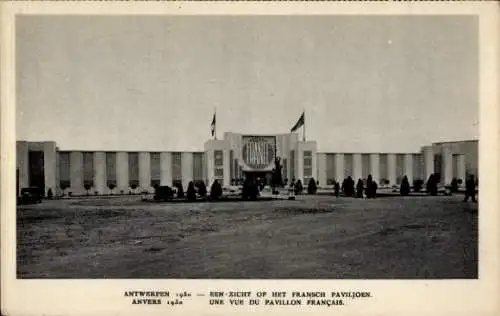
[(454, 185), (359, 188), (180, 191), (470, 189), (352, 191), (348, 187), (344, 187), (298, 187), (369, 187), (336, 188), (374, 190)]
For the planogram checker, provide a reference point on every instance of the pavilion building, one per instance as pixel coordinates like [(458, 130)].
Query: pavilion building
[(236, 156)]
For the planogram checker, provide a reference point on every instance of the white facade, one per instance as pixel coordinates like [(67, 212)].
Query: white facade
[(233, 157)]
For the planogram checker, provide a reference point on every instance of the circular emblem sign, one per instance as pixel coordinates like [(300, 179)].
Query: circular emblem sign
[(258, 151)]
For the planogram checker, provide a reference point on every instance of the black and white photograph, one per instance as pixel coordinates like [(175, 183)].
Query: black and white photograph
[(271, 157), (247, 147)]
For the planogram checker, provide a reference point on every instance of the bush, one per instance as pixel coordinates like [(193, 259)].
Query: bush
[(163, 193), (312, 187), (87, 188), (215, 190), (64, 185), (202, 189), (432, 183), (418, 185), (448, 190), (405, 187), (111, 187), (191, 192)]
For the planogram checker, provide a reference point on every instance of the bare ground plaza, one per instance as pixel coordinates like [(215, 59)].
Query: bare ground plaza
[(410, 237)]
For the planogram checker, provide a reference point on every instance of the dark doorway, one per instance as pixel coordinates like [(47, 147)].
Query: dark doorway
[(36, 170), (265, 176)]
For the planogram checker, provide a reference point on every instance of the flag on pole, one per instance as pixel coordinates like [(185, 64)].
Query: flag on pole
[(212, 126), (299, 123)]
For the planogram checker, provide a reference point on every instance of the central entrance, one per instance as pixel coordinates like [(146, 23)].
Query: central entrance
[(264, 177)]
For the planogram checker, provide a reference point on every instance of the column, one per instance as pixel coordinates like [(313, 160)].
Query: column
[(321, 170), (428, 153), (314, 164), (100, 172), (144, 171), (187, 168), (375, 167), (461, 168), (49, 154), (227, 167), (122, 172), (22, 162), (391, 168), (291, 165), (339, 167), (300, 165), (357, 167), (76, 172), (409, 167), (57, 190), (209, 167), (447, 165), (166, 168)]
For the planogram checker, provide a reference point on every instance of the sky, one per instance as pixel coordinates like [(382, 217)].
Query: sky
[(152, 83)]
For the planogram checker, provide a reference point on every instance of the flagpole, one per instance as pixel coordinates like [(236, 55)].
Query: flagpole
[(215, 125), (304, 126)]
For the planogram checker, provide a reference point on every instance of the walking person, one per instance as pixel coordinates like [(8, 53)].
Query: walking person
[(369, 187), (352, 191), (470, 189), (359, 188)]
